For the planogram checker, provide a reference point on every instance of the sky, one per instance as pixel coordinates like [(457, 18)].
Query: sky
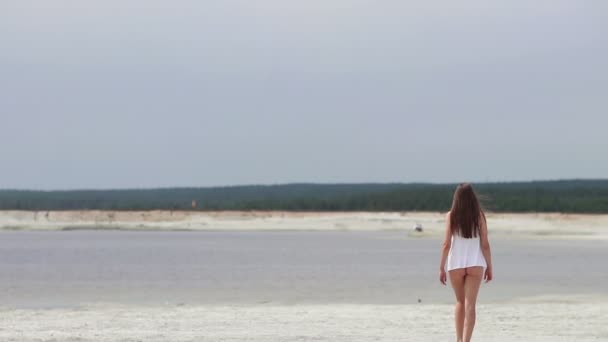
[(148, 93)]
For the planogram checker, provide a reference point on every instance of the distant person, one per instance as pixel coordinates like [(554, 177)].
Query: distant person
[(466, 253)]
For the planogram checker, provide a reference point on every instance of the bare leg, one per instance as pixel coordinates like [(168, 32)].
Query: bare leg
[(457, 280), (472, 281)]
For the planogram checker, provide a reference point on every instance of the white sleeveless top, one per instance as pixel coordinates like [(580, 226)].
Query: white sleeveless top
[(465, 253)]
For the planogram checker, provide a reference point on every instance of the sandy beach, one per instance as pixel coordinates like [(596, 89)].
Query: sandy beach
[(228, 276), (544, 225), (543, 322)]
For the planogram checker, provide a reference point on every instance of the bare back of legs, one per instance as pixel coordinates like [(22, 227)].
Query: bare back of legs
[(465, 282)]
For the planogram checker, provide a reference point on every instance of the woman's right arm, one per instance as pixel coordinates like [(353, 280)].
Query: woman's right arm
[(445, 249), (485, 247)]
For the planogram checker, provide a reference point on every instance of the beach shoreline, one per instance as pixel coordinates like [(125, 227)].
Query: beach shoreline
[(225, 281)]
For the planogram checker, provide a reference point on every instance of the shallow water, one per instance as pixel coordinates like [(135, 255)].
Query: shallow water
[(68, 269)]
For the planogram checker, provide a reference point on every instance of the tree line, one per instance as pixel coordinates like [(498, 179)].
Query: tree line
[(571, 196)]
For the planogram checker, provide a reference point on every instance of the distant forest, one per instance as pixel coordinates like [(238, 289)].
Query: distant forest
[(572, 196)]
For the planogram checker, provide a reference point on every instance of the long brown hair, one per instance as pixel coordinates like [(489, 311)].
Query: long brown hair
[(466, 212)]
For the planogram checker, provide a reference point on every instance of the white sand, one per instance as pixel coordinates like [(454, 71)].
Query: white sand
[(530, 225), (540, 322)]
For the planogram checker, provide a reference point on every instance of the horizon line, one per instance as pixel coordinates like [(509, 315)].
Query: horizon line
[(307, 183)]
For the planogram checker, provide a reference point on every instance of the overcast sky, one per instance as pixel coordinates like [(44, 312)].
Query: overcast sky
[(148, 93)]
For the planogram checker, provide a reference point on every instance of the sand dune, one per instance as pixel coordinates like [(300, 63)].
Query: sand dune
[(541, 225)]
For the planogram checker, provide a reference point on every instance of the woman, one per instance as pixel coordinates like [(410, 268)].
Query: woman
[(465, 254)]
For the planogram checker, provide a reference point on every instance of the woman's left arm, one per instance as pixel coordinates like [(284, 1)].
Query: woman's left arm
[(445, 249)]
